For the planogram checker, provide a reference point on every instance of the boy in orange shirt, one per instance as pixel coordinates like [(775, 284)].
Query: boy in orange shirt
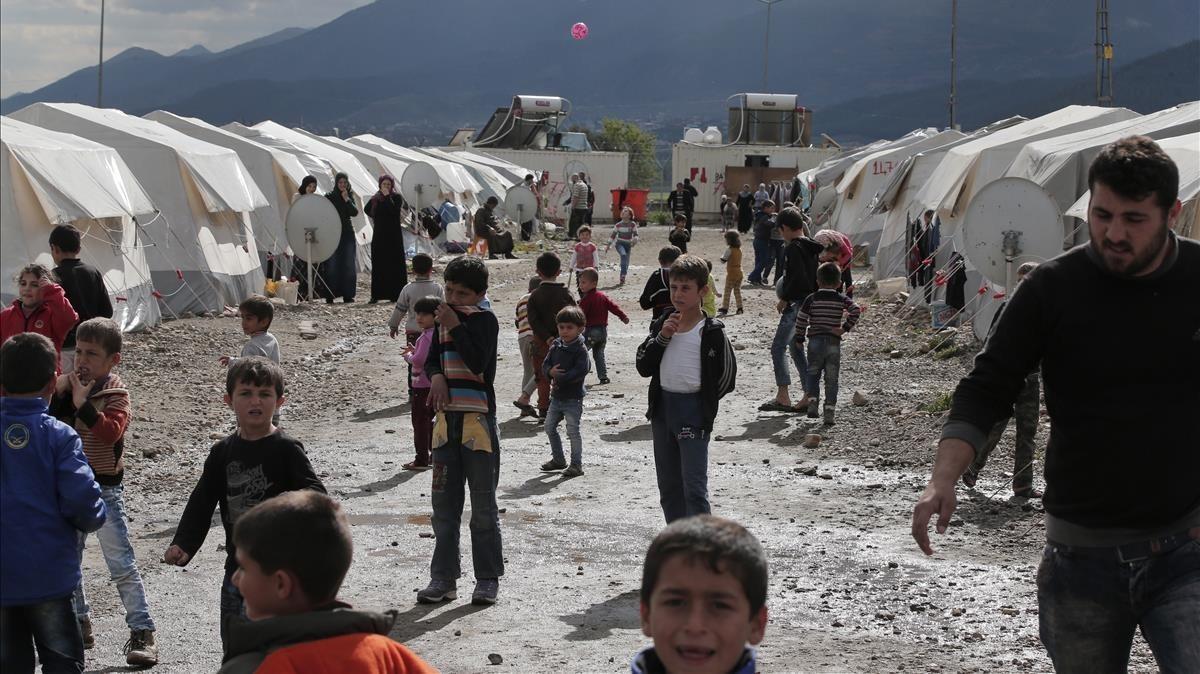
[(293, 551)]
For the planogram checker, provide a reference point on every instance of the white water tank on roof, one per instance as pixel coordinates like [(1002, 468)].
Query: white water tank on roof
[(771, 102), (693, 135), (547, 104), (712, 136)]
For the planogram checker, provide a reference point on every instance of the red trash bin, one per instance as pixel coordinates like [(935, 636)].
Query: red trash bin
[(633, 198)]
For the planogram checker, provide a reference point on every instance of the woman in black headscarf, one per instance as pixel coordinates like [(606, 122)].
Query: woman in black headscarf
[(341, 270), (388, 272), (300, 267)]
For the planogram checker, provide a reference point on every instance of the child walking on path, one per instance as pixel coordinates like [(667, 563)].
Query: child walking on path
[(680, 235), (525, 345), (824, 317), (255, 463), (656, 296), (40, 521), (691, 366), (583, 253), (764, 254), (544, 304), (95, 402), (709, 304), (420, 286), (256, 312), (624, 237), (41, 306), (798, 282), (567, 366), (466, 442), (596, 308), (733, 272), (422, 416)]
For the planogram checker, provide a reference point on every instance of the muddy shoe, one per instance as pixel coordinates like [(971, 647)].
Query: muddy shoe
[(437, 591), (89, 638), (553, 465), (814, 409), (574, 470), (485, 592), (415, 466), (827, 418), (140, 650)]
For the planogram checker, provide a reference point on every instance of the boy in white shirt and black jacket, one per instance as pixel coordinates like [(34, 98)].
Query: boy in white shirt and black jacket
[(691, 366)]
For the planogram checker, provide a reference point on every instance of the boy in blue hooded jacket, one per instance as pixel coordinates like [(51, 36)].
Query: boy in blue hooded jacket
[(48, 494)]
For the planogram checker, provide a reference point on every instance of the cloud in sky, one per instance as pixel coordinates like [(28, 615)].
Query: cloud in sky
[(43, 40)]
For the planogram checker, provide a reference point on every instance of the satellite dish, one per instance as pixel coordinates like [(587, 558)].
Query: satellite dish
[(520, 204), (984, 316), (420, 185), (1009, 222), (313, 228)]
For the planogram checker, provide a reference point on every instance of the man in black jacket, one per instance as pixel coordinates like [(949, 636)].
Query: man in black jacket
[(1122, 495), (82, 283)]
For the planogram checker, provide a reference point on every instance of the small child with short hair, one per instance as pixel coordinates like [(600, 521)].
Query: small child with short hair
[(596, 308), (293, 552), (424, 310), (55, 499), (567, 366), (421, 285), (253, 464), (733, 271), (657, 293), (583, 253), (94, 401), (41, 306), (689, 562), (825, 316), (544, 304), (710, 292), (257, 313), (679, 236), (691, 366), (82, 283), (529, 380)]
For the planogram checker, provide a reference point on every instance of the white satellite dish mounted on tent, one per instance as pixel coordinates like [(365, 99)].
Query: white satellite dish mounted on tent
[(420, 185), (1009, 222), (313, 231)]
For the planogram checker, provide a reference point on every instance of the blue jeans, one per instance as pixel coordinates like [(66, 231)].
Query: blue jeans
[(572, 411), (762, 259), (776, 246), (51, 627), (122, 567), (784, 340), (1089, 608), (454, 464), (824, 357), (597, 338), (680, 455), (623, 251)]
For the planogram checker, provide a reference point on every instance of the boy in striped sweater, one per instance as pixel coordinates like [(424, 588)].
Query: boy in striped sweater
[(824, 316), (466, 444), (94, 401), (525, 345)]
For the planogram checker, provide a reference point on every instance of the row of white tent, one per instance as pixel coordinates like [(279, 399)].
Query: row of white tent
[(873, 192), (179, 214)]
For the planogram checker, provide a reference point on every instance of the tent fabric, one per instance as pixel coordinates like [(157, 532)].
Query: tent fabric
[(52, 178), (491, 183), (276, 172), (313, 165), (1185, 150), (201, 249), (454, 177), (507, 169)]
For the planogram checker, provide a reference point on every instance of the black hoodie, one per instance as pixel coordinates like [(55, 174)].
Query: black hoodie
[(718, 366)]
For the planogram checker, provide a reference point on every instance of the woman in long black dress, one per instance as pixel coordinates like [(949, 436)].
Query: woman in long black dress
[(300, 267), (341, 270), (388, 271)]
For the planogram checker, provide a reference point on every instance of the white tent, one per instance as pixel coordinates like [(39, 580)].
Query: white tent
[(966, 168), (1060, 164), (201, 252), (277, 173), (376, 163), (491, 183), (1185, 150), (509, 170), (52, 178), (829, 174), (314, 166), (852, 215)]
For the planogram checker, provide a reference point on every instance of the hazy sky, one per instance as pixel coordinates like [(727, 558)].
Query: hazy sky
[(43, 40)]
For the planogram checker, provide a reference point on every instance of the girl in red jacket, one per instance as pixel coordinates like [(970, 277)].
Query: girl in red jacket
[(40, 307)]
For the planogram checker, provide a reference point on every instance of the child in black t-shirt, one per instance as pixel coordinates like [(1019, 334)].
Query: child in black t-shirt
[(241, 471)]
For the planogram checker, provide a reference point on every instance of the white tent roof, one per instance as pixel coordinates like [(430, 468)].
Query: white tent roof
[(375, 162), (1060, 164), (968, 167), (453, 176), (360, 178), (1185, 150), (490, 180), (314, 166), (506, 168)]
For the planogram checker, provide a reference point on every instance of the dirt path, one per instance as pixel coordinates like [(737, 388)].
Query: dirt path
[(849, 590)]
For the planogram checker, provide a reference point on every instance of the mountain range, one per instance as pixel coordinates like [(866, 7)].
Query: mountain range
[(414, 71)]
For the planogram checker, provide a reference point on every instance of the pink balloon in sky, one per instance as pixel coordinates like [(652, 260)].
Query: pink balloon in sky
[(579, 31)]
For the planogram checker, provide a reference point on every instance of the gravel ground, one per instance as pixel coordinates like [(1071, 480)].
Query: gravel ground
[(849, 589)]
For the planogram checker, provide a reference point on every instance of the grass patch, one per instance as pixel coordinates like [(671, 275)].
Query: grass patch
[(938, 405)]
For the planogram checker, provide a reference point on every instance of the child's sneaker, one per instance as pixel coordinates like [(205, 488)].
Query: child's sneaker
[(828, 419), (437, 591), (140, 650), (552, 465), (739, 311), (485, 592), (814, 409), (89, 637), (722, 313), (604, 380), (574, 470)]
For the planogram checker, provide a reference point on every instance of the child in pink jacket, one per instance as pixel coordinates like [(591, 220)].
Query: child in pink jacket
[(422, 414)]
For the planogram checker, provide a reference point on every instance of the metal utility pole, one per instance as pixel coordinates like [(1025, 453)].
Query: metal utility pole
[(1104, 54), (953, 55), (767, 44), (100, 68)]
